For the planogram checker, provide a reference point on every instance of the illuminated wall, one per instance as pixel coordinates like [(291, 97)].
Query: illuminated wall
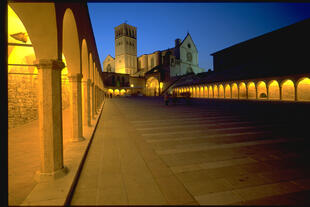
[(274, 90), (210, 92), (227, 91), (261, 90), (303, 90), (234, 89), (23, 75), (215, 91), (288, 90), (251, 91), (242, 91)]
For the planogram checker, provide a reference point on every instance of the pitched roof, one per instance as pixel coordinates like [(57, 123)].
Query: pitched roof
[(189, 36), (273, 35)]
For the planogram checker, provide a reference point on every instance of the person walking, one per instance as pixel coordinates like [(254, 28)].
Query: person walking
[(166, 99)]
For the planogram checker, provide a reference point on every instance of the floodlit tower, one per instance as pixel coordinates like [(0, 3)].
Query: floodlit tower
[(125, 49)]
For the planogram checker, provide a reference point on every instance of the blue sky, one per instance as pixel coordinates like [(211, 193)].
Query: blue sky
[(213, 26)]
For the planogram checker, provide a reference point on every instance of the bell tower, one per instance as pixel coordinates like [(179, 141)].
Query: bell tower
[(125, 49)]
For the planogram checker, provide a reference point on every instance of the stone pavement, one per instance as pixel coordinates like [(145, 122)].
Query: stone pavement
[(24, 157), (210, 152)]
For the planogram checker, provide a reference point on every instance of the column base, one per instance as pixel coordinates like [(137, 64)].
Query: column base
[(47, 177), (78, 139)]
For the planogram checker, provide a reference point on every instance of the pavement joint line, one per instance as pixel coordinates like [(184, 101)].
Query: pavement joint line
[(186, 121), (204, 124), (175, 119), (151, 140), (201, 147), (213, 164), (193, 131), (181, 119)]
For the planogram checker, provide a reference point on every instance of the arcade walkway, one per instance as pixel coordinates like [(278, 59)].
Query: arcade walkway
[(214, 152)]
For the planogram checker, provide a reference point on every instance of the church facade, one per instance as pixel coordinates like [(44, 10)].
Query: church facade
[(149, 74)]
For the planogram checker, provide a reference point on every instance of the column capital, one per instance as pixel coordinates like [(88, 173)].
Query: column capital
[(75, 77), (49, 64)]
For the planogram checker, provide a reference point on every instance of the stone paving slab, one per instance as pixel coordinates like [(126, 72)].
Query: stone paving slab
[(143, 155)]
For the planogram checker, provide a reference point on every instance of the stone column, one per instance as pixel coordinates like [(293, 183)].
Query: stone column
[(296, 91), (93, 100), (280, 91), (86, 103), (50, 118), (76, 107), (267, 90), (96, 99)]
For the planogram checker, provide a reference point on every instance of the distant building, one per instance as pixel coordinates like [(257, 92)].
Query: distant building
[(273, 66), (150, 73)]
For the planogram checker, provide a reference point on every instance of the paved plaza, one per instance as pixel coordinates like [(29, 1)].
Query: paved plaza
[(209, 152)]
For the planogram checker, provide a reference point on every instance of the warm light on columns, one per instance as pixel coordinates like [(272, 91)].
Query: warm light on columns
[(251, 90), (303, 89), (234, 89), (288, 90), (215, 91), (227, 91), (242, 90), (274, 90), (221, 91), (261, 90)]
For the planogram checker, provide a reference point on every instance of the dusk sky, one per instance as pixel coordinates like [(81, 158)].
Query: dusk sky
[(213, 26)]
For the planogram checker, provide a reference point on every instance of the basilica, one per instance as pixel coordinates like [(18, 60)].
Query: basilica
[(148, 74)]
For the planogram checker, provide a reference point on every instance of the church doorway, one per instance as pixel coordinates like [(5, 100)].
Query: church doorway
[(152, 87)]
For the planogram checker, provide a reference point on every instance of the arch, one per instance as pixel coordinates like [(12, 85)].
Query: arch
[(197, 92), (288, 90), (211, 91), (152, 86), (22, 104), (215, 92), (122, 92), (71, 47), (91, 66), (261, 90), (116, 92), (221, 91), (251, 90), (201, 95), (303, 89), (273, 90), (93, 75), (191, 91), (194, 92), (206, 92), (242, 91), (110, 91), (234, 90), (45, 46), (227, 91), (85, 65)]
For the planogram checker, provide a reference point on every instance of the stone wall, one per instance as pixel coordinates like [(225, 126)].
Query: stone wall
[(23, 99)]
